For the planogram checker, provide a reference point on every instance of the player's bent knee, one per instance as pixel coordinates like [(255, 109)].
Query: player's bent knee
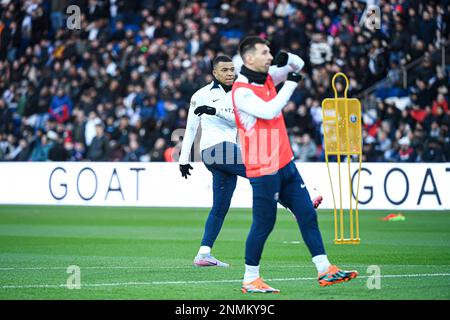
[(263, 229)]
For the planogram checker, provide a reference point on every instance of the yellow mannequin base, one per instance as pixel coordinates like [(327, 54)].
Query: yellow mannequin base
[(347, 241)]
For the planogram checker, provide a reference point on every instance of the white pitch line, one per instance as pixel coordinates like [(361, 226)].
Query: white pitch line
[(90, 267), (116, 284), (190, 267)]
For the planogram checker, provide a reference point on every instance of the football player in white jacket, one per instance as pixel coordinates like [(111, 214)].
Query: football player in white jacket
[(219, 150)]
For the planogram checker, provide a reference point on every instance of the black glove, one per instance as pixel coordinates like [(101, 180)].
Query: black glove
[(184, 168), (205, 110), (281, 59), (293, 76)]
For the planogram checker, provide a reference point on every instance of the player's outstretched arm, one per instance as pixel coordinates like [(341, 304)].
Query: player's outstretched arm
[(284, 63), (250, 103), (225, 113)]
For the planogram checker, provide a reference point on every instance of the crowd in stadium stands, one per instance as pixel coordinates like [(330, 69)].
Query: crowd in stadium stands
[(115, 84)]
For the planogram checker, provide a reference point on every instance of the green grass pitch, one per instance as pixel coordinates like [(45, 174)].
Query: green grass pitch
[(147, 253)]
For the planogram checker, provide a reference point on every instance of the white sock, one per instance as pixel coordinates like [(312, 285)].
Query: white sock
[(204, 250), (251, 273), (321, 262)]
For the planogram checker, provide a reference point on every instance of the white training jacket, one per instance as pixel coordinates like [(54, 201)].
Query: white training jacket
[(215, 128)]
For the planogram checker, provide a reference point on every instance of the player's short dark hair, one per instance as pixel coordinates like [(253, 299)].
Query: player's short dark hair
[(248, 44), (221, 58)]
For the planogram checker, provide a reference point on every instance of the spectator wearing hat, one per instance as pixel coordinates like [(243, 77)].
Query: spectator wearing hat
[(406, 152)]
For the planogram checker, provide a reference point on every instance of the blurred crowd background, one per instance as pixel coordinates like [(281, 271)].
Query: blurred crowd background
[(118, 88)]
